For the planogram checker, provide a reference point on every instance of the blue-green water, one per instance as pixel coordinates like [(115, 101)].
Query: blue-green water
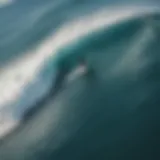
[(110, 113)]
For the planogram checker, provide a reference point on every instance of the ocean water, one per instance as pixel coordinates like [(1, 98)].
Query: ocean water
[(52, 107)]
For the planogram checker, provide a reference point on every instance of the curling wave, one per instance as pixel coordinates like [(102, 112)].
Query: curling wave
[(121, 47)]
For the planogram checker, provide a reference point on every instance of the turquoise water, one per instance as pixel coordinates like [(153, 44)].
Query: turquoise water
[(110, 113)]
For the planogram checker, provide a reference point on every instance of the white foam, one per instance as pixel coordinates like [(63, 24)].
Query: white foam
[(7, 124), (5, 2), (16, 75)]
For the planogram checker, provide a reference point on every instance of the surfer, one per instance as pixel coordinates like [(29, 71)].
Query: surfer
[(87, 69), (64, 71)]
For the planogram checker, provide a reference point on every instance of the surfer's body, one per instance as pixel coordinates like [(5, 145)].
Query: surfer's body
[(67, 71)]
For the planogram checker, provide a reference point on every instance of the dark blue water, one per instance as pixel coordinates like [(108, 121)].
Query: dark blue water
[(110, 112)]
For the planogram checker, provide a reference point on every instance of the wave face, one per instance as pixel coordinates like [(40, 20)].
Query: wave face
[(53, 106)]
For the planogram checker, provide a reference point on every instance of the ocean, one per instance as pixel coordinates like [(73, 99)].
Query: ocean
[(79, 80)]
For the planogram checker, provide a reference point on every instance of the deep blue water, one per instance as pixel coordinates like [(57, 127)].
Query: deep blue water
[(111, 112)]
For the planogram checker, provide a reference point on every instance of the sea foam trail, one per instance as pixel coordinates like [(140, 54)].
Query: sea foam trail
[(19, 73)]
